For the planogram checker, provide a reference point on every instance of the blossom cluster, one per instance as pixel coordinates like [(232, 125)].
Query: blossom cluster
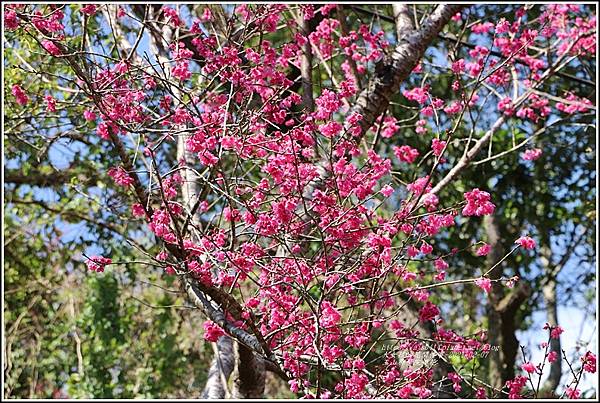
[(322, 214)]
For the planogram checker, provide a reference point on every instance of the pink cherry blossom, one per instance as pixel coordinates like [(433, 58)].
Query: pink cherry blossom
[(440, 264), (484, 283), (51, 47), (20, 95), (327, 104), (572, 393), (556, 332), (97, 263), (483, 250), (418, 94), (428, 312), (212, 331), (515, 386), (589, 362), (50, 103), (437, 146), (305, 215), (426, 248), (387, 190), (574, 104), (89, 9), (458, 66), (528, 367), (206, 15), (120, 176), (453, 108), (11, 21), (406, 154), (330, 129), (478, 203), (532, 154), (138, 210), (329, 315), (102, 131), (526, 242), (89, 115)]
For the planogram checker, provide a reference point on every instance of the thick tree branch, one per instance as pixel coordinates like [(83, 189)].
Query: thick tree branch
[(375, 98), (249, 374), (36, 178), (403, 20), (306, 67)]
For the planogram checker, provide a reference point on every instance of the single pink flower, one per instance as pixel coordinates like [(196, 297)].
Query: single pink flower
[(526, 242), (555, 332), (212, 331), (387, 190), (20, 95), (138, 210), (572, 393), (50, 103), (528, 367), (483, 250), (532, 154), (89, 115), (89, 9), (484, 283)]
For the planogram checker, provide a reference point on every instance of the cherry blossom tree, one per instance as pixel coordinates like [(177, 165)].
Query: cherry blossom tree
[(317, 178)]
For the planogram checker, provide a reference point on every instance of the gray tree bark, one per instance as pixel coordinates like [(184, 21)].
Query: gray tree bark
[(411, 46), (249, 374), (220, 370)]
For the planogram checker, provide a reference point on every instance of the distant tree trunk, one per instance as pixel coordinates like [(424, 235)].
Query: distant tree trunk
[(494, 333), (549, 292), (501, 311)]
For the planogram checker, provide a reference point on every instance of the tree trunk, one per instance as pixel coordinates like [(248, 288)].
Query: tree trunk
[(249, 375), (502, 312), (549, 292), (220, 369), (494, 332)]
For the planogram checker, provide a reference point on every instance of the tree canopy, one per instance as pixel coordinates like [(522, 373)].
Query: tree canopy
[(296, 200)]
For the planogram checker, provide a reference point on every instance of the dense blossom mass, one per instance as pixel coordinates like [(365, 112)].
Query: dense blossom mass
[(290, 204)]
